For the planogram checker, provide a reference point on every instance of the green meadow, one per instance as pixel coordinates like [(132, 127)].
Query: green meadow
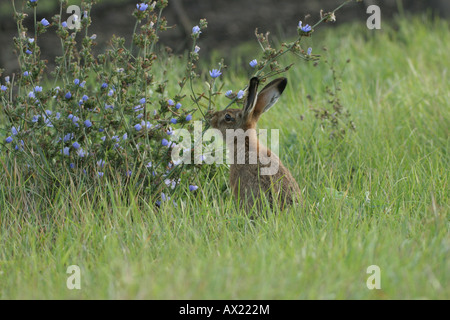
[(377, 196)]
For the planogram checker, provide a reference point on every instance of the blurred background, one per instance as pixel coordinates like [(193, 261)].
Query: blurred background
[(230, 22)]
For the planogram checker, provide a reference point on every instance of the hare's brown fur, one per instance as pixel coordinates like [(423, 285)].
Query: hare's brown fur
[(246, 179)]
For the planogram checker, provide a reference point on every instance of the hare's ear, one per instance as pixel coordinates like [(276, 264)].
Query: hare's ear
[(251, 97), (268, 96)]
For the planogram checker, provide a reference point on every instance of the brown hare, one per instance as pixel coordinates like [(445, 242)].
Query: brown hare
[(247, 178)]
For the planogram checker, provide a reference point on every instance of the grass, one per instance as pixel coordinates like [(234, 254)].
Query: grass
[(396, 88)]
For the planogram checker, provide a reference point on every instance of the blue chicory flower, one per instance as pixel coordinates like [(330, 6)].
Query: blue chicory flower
[(214, 73), (196, 30), (81, 153), (253, 63), (45, 22), (101, 163), (68, 137), (75, 119), (142, 6), (147, 124), (306, 28), (48, 122)]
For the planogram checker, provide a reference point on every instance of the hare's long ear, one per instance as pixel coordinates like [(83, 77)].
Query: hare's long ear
[(268, 96), (251, 97)]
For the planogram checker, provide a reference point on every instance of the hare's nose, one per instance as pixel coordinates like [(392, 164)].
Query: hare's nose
[(212, 120), (209, 116)]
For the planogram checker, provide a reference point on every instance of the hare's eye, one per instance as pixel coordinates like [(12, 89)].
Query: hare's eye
[(228, 118)]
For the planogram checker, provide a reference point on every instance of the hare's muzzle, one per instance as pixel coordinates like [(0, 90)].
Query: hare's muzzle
[(211, 118)]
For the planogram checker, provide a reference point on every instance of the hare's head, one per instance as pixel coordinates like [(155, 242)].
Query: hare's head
[(255, 104)]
